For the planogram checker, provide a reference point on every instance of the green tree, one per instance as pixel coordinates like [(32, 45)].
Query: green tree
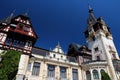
[(9, 65), (105, 76)]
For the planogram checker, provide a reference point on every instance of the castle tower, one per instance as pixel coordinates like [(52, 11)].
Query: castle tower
[(17, 33), (100, 41)]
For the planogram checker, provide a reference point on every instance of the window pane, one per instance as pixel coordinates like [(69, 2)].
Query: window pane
[(62, 72), (26, 28), (88, 76), (29, 66), (51, 71), (8, 41), (75, 74), (36, 69), (22, 44), (95, 74), (15, 43)]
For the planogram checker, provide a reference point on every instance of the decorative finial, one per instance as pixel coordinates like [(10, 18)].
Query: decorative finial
[(11, 15), (50, 49), (90, 9), (26, 14), (58, 43), (8, 19)]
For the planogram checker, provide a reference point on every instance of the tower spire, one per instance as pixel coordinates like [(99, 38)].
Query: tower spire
[(90, 9), (8, 19), (91, 19)]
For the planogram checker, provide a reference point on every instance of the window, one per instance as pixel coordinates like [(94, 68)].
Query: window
[(54, 55), (20, 26), (1, 36), (36, 69), (114, 56), (95, 74), (22, 44), (8, 41), (102, 71), (29, 43), (15, 43), (75, 74), (88, 75), (51, 71), (96, 49), (98, 58), (29, 66), (61, 57), (62, 72), (26, 28)]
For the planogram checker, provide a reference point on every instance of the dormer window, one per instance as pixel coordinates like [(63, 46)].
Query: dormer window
[(96, 49), (98, 58), (26, 28), (54, 55), (20, 26), (28, 22)]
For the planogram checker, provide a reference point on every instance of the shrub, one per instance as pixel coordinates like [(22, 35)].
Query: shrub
[(9, 65), (105, 76)]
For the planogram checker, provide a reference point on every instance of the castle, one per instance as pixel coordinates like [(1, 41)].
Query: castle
[(80, 63)]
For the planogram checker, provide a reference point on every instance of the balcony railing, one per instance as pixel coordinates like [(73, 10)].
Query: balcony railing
[(95, 61)]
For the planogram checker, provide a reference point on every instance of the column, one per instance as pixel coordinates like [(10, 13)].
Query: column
[(79, 74), (22, 67), (91, 74), (99, 73), (43, 70), (69, 73), (57, 72)]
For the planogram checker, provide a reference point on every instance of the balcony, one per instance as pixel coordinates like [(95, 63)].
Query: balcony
[(89, 64)]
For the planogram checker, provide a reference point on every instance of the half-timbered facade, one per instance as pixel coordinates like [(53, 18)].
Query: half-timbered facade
[(17, 33)]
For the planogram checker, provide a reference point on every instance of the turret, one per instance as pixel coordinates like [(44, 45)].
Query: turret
[(100, 42), (17, 33)]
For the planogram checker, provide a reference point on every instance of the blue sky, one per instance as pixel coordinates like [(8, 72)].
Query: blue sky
[(64, 21)]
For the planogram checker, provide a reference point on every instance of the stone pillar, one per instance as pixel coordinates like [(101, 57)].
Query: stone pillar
[(42, 71), (91, 73), (57, 72), (99, 73), (22, 67), (79, 73), (69, 73)]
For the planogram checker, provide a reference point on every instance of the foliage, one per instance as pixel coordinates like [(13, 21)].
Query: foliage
[(9, 65), (105, 76)]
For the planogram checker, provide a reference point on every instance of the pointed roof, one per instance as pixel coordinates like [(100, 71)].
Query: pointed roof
[(91, 19), (58, 48), (100, 19), (8, 19)]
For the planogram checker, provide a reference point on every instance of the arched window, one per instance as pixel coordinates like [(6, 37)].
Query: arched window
[(95, 74), (88, 75), (102, 71)]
